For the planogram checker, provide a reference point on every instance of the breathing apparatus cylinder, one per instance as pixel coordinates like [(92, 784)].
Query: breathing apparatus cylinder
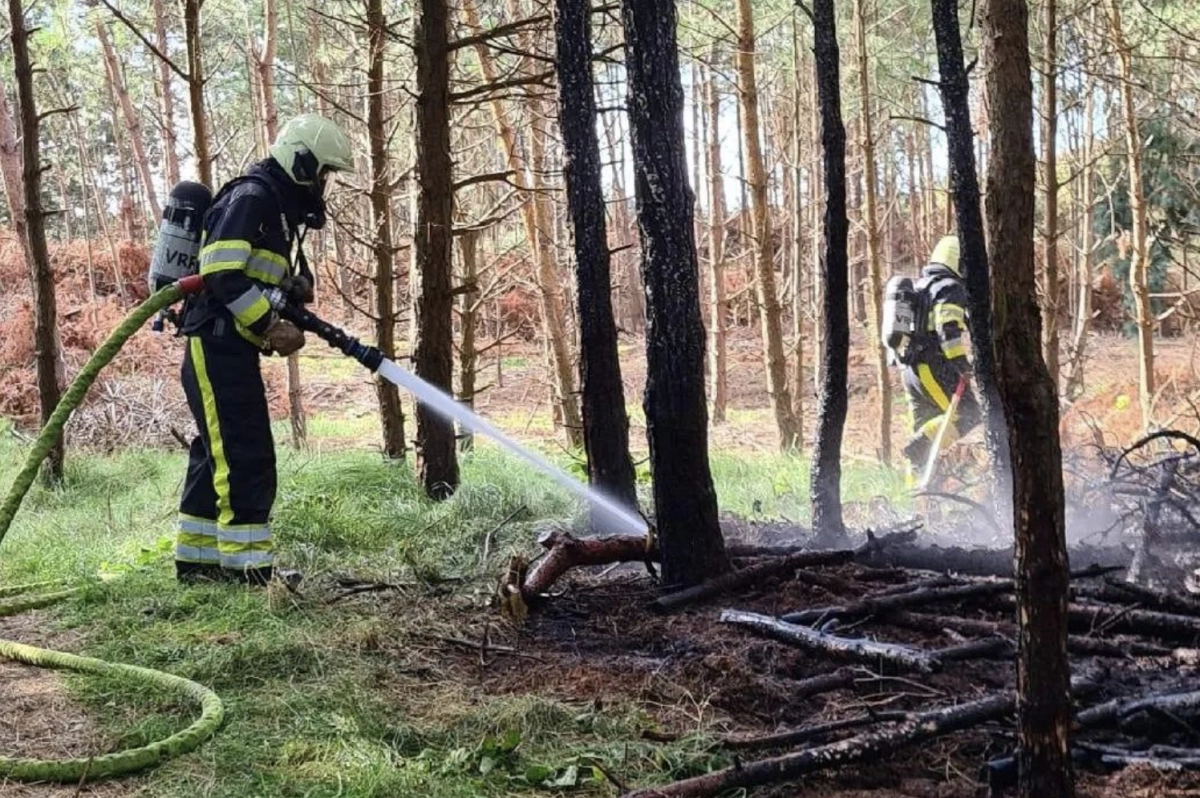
[(177, 250), (900, 305)]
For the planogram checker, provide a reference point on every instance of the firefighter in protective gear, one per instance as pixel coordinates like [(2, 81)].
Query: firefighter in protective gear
[(939, 358), (249, 232)]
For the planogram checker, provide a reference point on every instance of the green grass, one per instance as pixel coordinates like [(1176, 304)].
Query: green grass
[(342, 699)]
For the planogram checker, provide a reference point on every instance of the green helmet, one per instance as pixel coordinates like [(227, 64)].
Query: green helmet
[(308, 145), (946, 254)]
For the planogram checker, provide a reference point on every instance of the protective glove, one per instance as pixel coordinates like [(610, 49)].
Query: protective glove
[(298, 288), (282, 337)]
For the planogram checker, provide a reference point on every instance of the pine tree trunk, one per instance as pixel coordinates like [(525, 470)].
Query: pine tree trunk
[(468, 315), (1139, 260), (815, 210), (774, 355), (537, 220), (964, 185), (37, 254), (1050, 189), (718, 301), (437, 462), (1083, 303), (1031, 410), (799, 235), (391, 413), (835, 348), (605, 420), (685, 502), (195, 71), (875, 272), (167, 99), (132, 122)]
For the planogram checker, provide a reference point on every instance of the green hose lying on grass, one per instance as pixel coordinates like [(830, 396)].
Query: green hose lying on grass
[(26, 597)]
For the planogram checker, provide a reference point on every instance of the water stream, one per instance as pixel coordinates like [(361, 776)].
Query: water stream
[(607, 513)]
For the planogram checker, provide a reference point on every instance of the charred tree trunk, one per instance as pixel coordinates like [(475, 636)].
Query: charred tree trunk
[(883, 380), (964, 187), (1138, 255), (685, 502), (437, 462), (835, 343), (774, 356), (605, 420), (195, 79), (37, 254), (167, 101), (468, 316), (1030, 408), (1049, 115), (391, 413), (718, 300)]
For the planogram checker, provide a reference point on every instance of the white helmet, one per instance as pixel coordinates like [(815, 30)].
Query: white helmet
[(946, 254), (308, 145)]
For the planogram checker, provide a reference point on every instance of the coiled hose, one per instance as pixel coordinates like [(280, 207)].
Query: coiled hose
[(25, 597)]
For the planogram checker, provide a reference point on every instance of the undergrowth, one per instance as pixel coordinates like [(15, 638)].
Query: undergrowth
[(347, 698)]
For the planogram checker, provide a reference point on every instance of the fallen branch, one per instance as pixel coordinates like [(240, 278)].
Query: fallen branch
[(858, 649), (982, 562), (1118, 709), (809, 734), (748, 576), (1156, 599), (565, 551), (918, 728)]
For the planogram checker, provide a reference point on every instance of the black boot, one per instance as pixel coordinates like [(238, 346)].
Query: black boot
[(191, 573), (260, 577)]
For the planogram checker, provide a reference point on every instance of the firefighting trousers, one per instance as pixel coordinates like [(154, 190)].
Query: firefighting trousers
[(225, 509), (929, 387)]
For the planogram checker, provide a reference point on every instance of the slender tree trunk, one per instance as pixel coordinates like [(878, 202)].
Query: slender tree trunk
[(875, 271), (964, 185), (798, 236), (685, 502), (391, 413), (537, 219), (37, 254), (1139, 260), (605, 420), (1050, 188), (167, 100), (774, 355), (468, 357), (132, 122), (436, 459), (719, 302), (1031, 410), (816, 176), (835, 349), (1083, 309), (191, 24)]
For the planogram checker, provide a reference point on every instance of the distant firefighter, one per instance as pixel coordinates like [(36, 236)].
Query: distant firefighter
[(923, 327)]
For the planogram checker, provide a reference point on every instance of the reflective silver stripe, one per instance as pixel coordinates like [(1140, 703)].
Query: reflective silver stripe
[(222, 252), (246, 559), (243, 303), (196, 554), (256, 534), (198, 527), (260, 268)]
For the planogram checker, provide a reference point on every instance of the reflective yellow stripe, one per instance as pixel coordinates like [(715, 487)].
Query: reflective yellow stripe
[(953, 349), (216, 444), (234, 245), (947, 313), (267, 266), (249, 307), (221, 266), (932, 389)]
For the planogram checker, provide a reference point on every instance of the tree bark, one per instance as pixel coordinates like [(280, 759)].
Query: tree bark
[(964, 186), (167, 99), (391, 413), (718, 300), (835, 344), (437, 462), (605, 420), (1138, 255), (37, 254), (874, 269), (1083, 309), (131, 119), (798, 237), (195, 72), (774, 356), (1030, 401), (685, 501), (468, 316), (1049, 115)]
